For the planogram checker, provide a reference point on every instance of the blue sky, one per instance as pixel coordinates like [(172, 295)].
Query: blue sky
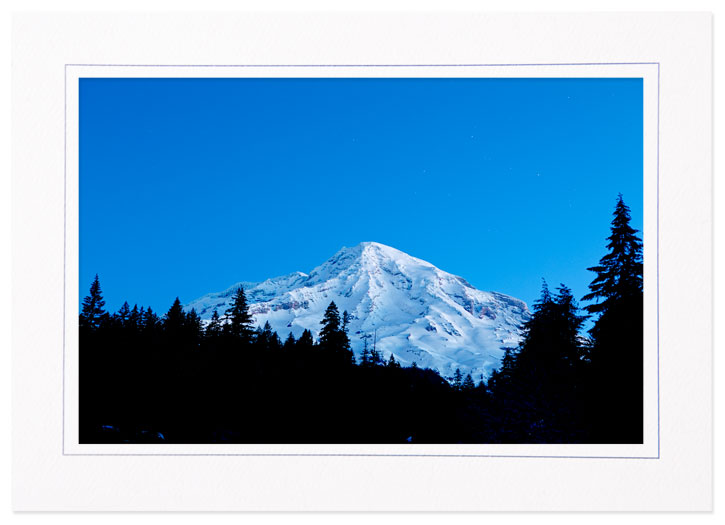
[(190, 185)]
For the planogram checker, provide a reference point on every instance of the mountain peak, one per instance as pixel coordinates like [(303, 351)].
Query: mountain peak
[(416, 311), (376, 248), (369, 249)]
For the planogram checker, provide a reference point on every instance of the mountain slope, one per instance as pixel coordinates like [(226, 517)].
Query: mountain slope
[(411, 308)]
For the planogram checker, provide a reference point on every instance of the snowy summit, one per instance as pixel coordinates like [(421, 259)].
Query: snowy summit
[(407, 306)]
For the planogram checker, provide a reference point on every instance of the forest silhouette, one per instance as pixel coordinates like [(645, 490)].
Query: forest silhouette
[(149, 378)]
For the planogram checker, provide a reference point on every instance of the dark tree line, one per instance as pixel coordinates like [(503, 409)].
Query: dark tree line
[(171, 378), (560, 387)]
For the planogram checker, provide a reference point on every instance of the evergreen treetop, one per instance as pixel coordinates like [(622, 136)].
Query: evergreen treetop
[(345, 320), (124, 312), (214, 328), (457, 379), (330, 325), (150, 320), (134, 318), (92, 312), (306, 341), (366, 358), (333, 335), (193, 325), (392, 363), (551, 335), (619, 272), (468, 383), (289, 343), (175, 318), (240, 320), (615, 352)]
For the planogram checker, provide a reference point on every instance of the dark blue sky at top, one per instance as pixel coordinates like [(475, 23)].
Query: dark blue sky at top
[(188, 186)]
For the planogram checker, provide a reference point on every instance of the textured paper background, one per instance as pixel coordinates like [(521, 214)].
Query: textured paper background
[(679, 479)]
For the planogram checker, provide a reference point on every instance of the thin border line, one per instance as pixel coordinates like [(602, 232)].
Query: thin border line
[(380, 455), (65, 228), (65, 203), (658, 260), (368, 65)]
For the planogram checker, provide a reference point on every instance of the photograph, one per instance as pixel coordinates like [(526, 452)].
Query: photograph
[(360, 260)]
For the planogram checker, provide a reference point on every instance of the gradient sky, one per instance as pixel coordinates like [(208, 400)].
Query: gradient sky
[(188, 186)]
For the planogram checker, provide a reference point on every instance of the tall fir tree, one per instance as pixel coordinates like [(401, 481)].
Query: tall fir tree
[(175, 319), (289, 343), (134, 319), (305, 343), (150, 322), (214, 327), (193, 327), (551, 335), (468, 385), (619, 272), (457, 379), (92, 312), (375, 357), (123, 314), (345, 338), (333, 338), (329, 334), (537, 385), (366, 359), (570, 323), (267, 339), (240, 321), (345, 321), (616, 354)]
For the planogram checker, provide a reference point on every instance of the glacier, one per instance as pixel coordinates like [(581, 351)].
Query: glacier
[(403, 305)]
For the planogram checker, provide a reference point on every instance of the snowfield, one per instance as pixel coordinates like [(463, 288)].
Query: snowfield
[(408, 306)]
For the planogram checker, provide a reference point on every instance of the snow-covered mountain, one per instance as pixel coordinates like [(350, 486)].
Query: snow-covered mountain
[(411, 308)]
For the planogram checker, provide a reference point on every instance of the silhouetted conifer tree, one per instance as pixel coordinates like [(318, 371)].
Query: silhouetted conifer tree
[(214, 327), (193, 327), (569, 323), (306, 341), (345, 321), (468, 385), (134, 319), (175, 319), (345, 338), (333, 339), (150, 323), (619, 272), (329, 334), (537, 387), (457, 379), (92, 312), (616, 353), (267, 340), (289, 343), (240, 320), (375, 357), (366, 359), (124, 313), (276, 342)]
